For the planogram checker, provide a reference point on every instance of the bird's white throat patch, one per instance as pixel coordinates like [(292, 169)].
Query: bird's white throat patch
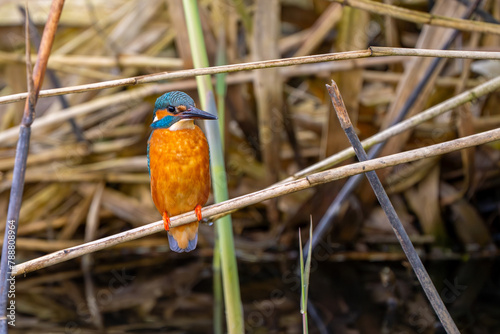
[(182, 125)]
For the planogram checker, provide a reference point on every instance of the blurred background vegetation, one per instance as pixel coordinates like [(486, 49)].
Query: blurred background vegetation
[(276, 122)]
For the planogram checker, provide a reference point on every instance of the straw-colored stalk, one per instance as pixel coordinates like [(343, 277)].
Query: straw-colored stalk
[(217, 210), (370, 52)]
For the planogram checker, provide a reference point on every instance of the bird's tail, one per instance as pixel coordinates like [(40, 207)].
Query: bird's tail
[(183, 238)]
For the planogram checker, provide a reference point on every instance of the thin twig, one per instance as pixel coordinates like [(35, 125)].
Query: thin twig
[(8, 248), (370, 52), (380, 51), (231, 205), (397, 226), (422, 17)]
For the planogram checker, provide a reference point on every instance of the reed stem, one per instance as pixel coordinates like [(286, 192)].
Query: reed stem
[(230, 280)]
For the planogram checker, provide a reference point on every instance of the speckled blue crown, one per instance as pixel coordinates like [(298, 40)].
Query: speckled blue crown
[(175, 99)]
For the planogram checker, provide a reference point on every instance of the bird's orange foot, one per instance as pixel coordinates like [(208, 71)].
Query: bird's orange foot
[(197, 210), (166, 221)]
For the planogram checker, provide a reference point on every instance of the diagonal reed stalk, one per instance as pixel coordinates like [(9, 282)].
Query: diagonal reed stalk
[(415, 262), (230, 280), (217, 210), (276, 190), (35, 81)]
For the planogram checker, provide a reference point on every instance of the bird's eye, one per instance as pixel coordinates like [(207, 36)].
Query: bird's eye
[(171, 109)]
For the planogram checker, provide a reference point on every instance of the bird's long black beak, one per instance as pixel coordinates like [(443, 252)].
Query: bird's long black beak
[(196, 113)]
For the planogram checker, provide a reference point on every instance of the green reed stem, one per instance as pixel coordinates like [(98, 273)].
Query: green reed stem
[(223, 226), (305, 272), (220, 83)]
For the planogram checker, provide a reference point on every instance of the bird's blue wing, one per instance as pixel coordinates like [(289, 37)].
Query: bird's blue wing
[(149, 170)]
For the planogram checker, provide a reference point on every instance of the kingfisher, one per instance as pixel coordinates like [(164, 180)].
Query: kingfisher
[(179, 165)]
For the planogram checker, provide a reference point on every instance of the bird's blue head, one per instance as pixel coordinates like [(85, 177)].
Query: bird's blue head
[(174, 106)]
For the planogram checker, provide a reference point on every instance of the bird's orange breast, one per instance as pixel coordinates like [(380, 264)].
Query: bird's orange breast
[(179, 167)]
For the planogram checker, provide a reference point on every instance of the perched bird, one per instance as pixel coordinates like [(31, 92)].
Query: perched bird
[(179, 165)]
